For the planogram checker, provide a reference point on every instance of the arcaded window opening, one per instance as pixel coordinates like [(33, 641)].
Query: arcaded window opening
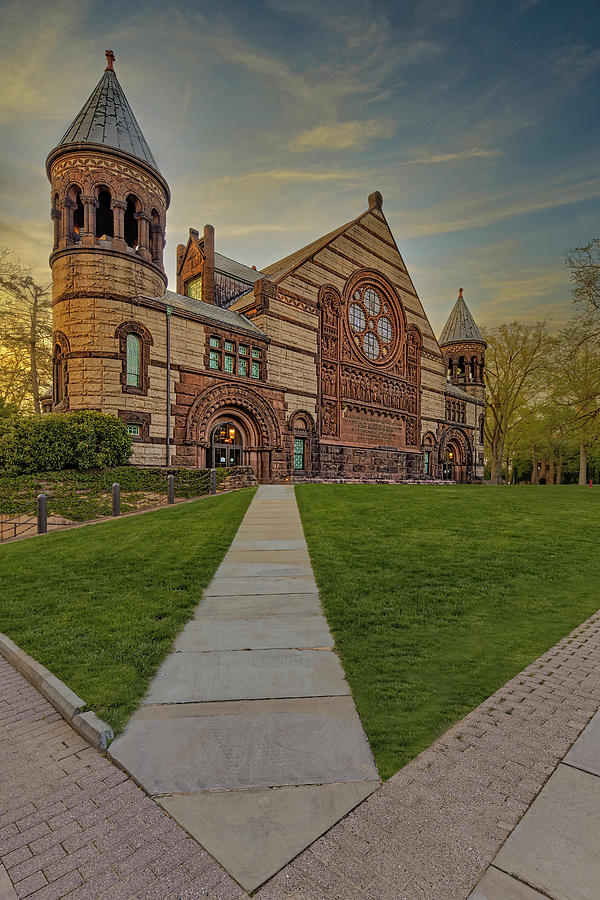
[(131, 223), (105, 223)]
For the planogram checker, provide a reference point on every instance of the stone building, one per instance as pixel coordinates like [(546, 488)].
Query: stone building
[(322, 365)]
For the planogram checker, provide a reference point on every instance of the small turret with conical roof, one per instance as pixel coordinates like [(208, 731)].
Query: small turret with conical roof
[(109, 204), (463, 350)]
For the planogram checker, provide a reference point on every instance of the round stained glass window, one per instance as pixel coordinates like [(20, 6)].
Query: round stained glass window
[(357, 318), (372, 301), (371, 345), (371, 322), (385, 329)]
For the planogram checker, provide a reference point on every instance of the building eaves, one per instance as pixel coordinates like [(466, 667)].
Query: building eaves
[(224, 317)]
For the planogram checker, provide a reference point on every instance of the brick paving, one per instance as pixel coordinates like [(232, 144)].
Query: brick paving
[(73, 825)]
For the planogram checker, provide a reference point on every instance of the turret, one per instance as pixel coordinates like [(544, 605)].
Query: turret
[(463, 350), (108, 203)]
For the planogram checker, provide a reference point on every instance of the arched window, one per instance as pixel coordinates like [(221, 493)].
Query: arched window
[(134, 359), (105, 226), (131, 223), (135, 342), (59, 367), (77, 217), (473, 369), (156, 241), (226, 446), (450, 369), (481, 429)]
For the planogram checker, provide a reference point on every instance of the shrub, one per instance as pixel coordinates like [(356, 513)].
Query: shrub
[(54, 441)]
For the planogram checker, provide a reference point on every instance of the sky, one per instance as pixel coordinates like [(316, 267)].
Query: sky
[(477, 120)]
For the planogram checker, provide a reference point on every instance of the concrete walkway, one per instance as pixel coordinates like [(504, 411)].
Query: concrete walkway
[(248, 735)]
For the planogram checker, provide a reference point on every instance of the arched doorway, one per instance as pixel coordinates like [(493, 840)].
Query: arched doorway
[(452, 463), (245, 411), (226, 446)]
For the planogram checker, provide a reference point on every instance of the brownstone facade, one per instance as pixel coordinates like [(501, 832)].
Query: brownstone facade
[(323, 365)]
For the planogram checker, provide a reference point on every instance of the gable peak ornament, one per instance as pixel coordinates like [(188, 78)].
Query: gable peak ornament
[(110, 58)]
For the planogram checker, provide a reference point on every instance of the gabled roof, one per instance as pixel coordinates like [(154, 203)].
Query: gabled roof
[(460, 325), (278, 270), (227, 318), (235, 269), (106, 118)]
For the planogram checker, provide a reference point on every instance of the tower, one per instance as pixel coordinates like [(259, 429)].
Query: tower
[(108, 203), (463, 350)]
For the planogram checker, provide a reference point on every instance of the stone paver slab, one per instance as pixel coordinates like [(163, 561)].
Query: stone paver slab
[(556, 846), (497, 885), (262, 570), (290, 544), (585, 752), (258, 634), (261, 743), (255, 833), (285, 556), (200, 677), (231, 587), (259, 605)]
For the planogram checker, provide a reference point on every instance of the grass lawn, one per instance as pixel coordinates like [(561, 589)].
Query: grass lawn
[(436, 596), (101, 605)]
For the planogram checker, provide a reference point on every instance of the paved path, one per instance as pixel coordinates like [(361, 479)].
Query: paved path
[(74, 825), (249, 736), (556, 845)]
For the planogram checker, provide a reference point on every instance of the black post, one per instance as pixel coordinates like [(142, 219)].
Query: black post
[(116, 499), (213, 481), (42, 514), (169, 310), (171, 491)]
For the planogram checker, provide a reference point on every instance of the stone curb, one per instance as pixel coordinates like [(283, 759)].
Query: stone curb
[(62, 698)]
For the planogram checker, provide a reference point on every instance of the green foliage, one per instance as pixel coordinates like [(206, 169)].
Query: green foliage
[(83, 440), (437, 596), (83, 495), (101, 606)]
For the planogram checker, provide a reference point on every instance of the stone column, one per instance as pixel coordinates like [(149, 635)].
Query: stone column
[(56, 216), (88, 237), (156, 244), (143, 236), (118, 208), (66, 237)]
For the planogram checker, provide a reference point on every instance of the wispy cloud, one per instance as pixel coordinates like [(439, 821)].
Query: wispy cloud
[(342, 135), (575, 62), (292, 175), (528, 4), (435, 158)]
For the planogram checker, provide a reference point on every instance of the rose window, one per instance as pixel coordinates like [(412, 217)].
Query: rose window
[(371, 323)]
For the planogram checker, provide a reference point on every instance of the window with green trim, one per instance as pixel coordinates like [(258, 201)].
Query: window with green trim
[(229, 364), (242, 366), (134, 359), (256, 370), (215, 359)]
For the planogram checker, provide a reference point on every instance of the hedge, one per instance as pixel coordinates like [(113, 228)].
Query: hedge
[(55, 441)]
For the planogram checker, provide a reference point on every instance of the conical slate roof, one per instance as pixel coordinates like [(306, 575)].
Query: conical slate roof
[(107, 118), (460, 325)]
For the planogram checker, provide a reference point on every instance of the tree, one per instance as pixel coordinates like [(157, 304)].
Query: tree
[(584, 265), (26, 332), (515, 360), (576, 383)]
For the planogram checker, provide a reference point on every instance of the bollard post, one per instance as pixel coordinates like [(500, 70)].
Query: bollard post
[(116, 499), (213, 481), (171, 489), (42, 514)]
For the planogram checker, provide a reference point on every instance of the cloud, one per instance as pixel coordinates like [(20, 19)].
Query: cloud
[(574, 63), (292, 175), (473, 153), (479, 211), (342, 135)]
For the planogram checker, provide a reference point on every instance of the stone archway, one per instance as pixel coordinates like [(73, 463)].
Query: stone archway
[(249, 414), (456, 456)]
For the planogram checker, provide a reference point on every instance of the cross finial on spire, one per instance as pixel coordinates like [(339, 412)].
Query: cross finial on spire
[(460, 296), (110, 56)]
